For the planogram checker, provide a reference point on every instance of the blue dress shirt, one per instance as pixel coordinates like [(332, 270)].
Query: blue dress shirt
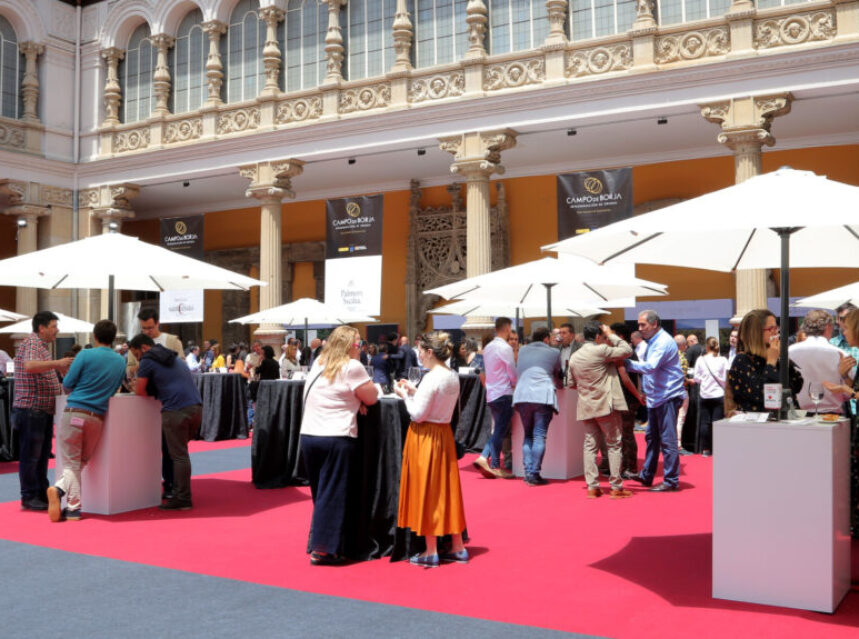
[(662, 376)]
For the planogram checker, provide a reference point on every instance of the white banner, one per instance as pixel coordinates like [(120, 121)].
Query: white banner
[(176, 307), (353, 283)]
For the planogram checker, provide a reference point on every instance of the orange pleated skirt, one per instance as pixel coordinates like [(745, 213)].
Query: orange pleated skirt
[(430, 492)]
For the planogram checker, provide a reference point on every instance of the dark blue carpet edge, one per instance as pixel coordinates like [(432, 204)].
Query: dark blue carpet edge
[(47, 592)]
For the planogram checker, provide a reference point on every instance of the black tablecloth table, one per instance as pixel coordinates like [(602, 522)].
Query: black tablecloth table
[(472, 420), (8, 442), (277, 423), (225, 406)]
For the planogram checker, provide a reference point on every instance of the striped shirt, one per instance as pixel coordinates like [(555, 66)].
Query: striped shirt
[(35, 391)]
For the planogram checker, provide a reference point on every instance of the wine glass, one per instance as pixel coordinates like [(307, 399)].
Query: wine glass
[(815, 392), (414, 375)]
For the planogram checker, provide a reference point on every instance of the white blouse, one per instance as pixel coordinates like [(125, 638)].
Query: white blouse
[(711, 373), (435, 398)]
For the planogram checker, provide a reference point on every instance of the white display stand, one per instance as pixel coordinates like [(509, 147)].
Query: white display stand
[(125, 471), (564, 458), (781, 496)]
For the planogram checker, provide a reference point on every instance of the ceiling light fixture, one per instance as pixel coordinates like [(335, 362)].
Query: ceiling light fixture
[(571, 132), (662, 121), (351, 161), (422, 151)]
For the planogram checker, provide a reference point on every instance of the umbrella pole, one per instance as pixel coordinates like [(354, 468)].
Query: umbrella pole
[(784, 372), (110, 294), (549, 304), (306, 341)]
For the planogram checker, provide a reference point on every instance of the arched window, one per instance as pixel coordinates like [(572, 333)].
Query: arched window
[(11, 71), (369, 38), (245, 40), (135, 76), (441, 32), (678, 11), (516, 25), (598, 18), (188, 68), (304, 53)]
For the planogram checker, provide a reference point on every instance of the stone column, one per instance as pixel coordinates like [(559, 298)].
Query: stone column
[(270, 183), (476, 157), (214, 66), (112, 89), (271, 52), (556, 42), (334, 52), (30, 82), (745, 124), (741, 18), (643, 34), (161, 77), (477, 18), (26, 299), (402, 31)]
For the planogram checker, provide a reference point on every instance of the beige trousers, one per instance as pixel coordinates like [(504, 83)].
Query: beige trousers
[(76, 442), (607, 427)]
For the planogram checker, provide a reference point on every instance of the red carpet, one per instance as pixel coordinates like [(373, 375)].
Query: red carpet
[(541, 556)]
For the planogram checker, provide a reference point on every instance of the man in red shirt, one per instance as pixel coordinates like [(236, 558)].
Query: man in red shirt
[(36, 389)]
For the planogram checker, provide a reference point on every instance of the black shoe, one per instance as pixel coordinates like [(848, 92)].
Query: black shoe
[(536, 480), (628, 475), (34, 504), (664, 488), (326, 559), (641, 480), (71, 515), (175, 504)]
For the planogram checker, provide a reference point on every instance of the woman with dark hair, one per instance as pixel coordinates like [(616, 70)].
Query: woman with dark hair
[(378, 361), (337, 387), (459, 356), (711, 373), (757, 362), (268, 368), (430, 493)]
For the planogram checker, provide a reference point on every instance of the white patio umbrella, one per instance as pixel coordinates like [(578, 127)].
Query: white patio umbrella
[(10, 316), (303, 312), (539, 282), (493, 308), (115, 261), (782, 219), (66, 325), (832, 298)]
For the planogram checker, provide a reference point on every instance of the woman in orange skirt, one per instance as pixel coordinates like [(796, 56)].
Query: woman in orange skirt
[(430, 493)]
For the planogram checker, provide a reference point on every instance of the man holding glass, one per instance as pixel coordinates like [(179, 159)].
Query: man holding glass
[(818, 361)]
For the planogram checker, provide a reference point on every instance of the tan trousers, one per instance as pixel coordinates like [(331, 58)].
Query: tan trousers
[(607, 427), (76, 442)]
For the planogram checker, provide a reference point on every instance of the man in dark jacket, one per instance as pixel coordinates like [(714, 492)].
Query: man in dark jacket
[(162, 375)]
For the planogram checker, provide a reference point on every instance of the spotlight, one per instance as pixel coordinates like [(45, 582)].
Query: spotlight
[(571, 132), (662, 121), (186, 183), (351, 161), (422, 151), (113, 227), (22, 222)]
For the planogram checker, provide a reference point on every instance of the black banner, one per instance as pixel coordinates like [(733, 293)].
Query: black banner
[(183, 235), (591, 199), (354, 227)]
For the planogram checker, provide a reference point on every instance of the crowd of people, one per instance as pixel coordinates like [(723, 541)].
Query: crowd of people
[(616, 373)]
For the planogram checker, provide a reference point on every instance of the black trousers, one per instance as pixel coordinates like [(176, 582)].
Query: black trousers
[(328, 462), (712, 410)]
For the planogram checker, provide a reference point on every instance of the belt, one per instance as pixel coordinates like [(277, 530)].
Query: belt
[(72, 409)]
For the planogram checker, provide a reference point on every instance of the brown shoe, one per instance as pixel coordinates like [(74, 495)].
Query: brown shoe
[(483, 466), (620, 494), (502, 473), (593, 493), (55, 511)]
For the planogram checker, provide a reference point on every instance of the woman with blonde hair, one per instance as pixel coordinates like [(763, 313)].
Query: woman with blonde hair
[(290, 360), (711, 373), (757, 362), (430, 493), (337, 387)]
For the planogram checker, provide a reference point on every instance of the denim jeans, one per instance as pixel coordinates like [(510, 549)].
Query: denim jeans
[(502, 413), (35, 431), (535, 423), (662, 435)]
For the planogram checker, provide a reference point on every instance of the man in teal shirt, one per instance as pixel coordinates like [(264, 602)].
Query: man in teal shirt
[(93, 378)]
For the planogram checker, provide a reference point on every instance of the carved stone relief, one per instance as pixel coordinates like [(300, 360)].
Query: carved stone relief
[(183, 130), (693, 45), (598, 60), (365, 98), (438, 248), (298, 110), (795, 29), (13, 136), (436, 87), (134, 140), (514, 74), (237, 120)]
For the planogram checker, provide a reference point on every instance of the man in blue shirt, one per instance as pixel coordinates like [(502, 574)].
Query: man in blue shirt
[(162, 374), (662, 383), (93, 378)]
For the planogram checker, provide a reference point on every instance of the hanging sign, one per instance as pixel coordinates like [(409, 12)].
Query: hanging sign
[(590, 199)]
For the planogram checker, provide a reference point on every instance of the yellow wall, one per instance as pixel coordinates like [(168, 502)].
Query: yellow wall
[(533, 223)]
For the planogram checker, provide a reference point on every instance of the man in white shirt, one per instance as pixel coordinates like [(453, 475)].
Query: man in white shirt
[(192, 359), (500, 380), (568, 347), (732, 349), (638, 344), (818, 361)]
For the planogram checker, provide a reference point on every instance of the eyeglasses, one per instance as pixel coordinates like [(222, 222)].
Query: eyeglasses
[(843, 318)]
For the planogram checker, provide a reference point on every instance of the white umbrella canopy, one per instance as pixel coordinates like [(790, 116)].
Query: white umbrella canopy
[(303, 312), (832, 298), (782, 219), (66, 325), (735, 227), (10, 316), (492, 308), (133, 264)]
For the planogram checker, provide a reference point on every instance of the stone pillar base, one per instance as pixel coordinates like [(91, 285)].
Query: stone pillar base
[(477, 327), (274, 337)]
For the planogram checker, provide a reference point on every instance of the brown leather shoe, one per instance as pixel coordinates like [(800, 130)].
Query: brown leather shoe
[(502, 473), (593, 493), (620, 494), (483, 466)]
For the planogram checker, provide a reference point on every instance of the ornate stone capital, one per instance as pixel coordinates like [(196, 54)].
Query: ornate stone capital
[(271, 180), (557, 14), (110, 203), (644, 19), (31, 49), (214, 27), (478, 155), (15, 190), (162, 41), (747, 113), (29, 212)]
